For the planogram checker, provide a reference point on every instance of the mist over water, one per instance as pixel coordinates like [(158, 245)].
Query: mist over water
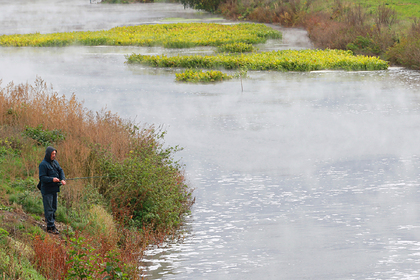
[(300, 176), (48, 16)]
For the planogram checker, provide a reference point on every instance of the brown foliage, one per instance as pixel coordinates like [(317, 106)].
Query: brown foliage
[(415, 28), (349, 26), (285, 12), (385, 16), (345, 24), (327, 33), (50, 257), (27, 105)]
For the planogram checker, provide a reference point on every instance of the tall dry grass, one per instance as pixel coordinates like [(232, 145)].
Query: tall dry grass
[(285, 12), (344, 25), (349, 26), (50, 257), (26, 105)]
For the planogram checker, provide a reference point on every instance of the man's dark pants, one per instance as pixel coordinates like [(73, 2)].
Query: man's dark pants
[(50, 207)]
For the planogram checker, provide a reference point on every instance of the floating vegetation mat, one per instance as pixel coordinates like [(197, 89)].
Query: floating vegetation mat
[(288, 60), (179, 35), (199, 76), (236, 48)]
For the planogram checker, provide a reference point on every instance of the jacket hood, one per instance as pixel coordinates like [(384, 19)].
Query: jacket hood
[(48, 153)]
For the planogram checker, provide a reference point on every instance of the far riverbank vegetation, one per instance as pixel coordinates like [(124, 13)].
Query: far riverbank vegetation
[(234, 47), (135, 194), (387, 29)]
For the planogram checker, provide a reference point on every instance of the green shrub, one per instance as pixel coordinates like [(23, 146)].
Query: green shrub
[(10, 146), (406, 52), (44, 137), (146, 188), (85, 263), (25, 184), (207, 5), (364, 45), (26, 194), (31, 202)]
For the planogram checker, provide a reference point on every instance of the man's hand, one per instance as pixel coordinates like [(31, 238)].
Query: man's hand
[(56, 180), (63, 182)]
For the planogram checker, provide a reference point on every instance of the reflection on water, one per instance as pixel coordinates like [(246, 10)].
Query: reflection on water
[(354, 219), (300, 176)]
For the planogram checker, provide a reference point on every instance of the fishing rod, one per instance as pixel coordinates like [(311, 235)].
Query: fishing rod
[(78, 178)]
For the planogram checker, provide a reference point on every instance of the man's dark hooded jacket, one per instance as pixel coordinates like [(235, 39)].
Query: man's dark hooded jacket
[(48, 170)]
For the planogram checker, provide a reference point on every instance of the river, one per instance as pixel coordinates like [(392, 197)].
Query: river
[(309, 175)]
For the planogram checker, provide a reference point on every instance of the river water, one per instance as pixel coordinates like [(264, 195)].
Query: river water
[(297, 176)]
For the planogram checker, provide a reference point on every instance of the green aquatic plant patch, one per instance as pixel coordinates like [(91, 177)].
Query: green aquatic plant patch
[(196, 76), (288, 60), (178, 35), (236, 48)]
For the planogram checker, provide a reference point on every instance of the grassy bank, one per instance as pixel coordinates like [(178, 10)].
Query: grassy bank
[(138, 195)]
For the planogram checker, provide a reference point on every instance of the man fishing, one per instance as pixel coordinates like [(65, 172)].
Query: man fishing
[(52, 177)]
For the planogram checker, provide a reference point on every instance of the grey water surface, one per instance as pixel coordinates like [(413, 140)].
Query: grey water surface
[(309, 175)]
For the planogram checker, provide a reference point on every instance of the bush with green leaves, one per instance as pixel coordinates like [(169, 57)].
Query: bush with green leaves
[(147, 188), (81, 260), (44, 137), (207, 5), (85, 263)]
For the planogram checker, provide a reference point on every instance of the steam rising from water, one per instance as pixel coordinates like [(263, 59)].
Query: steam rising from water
[(47, 16), (301, 176)]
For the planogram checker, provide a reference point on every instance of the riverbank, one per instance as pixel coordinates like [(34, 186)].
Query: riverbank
[(369, 28), (135, 193)]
